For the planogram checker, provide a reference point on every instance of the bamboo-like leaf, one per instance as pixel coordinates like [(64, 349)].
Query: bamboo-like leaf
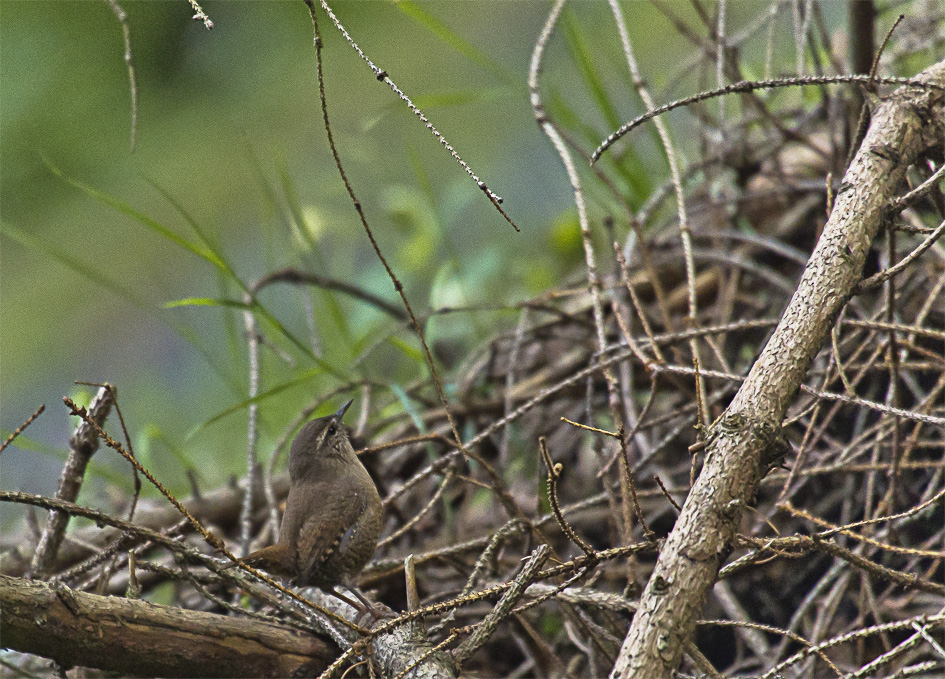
[(203, 252), (454, 41), (152, 432), (95, 468), (97, 277), (409, 408), (259, 398), (28, 240), (581, 53), (629, 167), (298, 216), (208, 243), (140, 217), (410, 352), (206, 301)]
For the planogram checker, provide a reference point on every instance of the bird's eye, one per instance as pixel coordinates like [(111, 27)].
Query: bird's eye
[(332, 429)]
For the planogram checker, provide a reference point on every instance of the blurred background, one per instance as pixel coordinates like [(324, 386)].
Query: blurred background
[(230, 130), (230, 138), (131, 267)]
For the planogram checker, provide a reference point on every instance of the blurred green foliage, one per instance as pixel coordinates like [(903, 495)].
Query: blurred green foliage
[(132, 267)]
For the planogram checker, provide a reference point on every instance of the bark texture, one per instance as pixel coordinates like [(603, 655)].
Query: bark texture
[(82, 447), (746, 440), (136, 638)]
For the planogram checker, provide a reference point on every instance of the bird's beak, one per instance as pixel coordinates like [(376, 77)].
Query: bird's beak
[(343, 409)]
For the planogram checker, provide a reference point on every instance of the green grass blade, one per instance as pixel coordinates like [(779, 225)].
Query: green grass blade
[(95, 467), (298, 217), (206, 301), (454, 41), (201, 252), (409, 408), (125, 294), (140, 217), (297, 222), (153, 433), (629, 167), (581, 53), (410, 352), (259, 398), (209, 245), (27, 240)]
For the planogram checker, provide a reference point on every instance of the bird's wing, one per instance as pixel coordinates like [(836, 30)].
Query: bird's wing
[(329, 530)]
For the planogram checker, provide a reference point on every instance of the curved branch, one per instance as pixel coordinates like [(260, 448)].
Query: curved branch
[(290, 275)]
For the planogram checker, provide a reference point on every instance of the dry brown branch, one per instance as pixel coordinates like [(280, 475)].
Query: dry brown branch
[(836, 567), (82, 445), (747, 440), (218, 507), (19, 430), (511, 597), (139, 638)]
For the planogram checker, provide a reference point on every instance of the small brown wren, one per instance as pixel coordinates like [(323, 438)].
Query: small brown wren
[(332, 516)]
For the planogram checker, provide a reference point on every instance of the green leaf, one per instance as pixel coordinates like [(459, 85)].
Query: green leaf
[(453, 40), (259, 398), (628, 166), (409, 407), (410, 352), (304, 233), (129, 211), (206, 301), (276, 324), (151, 433), (581, 53), (297, 223), (210, 246), (95, 468), (202, 252), (28, 240), (67, 260)]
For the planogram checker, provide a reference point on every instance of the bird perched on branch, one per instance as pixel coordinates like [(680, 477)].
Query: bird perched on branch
[(333, 512)]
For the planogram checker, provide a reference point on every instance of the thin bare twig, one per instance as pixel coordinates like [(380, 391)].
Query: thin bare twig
[(750, 86), (19, 430), (122, 17), (382, 76)]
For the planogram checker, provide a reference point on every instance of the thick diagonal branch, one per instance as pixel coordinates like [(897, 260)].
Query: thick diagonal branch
[(746, 440)]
